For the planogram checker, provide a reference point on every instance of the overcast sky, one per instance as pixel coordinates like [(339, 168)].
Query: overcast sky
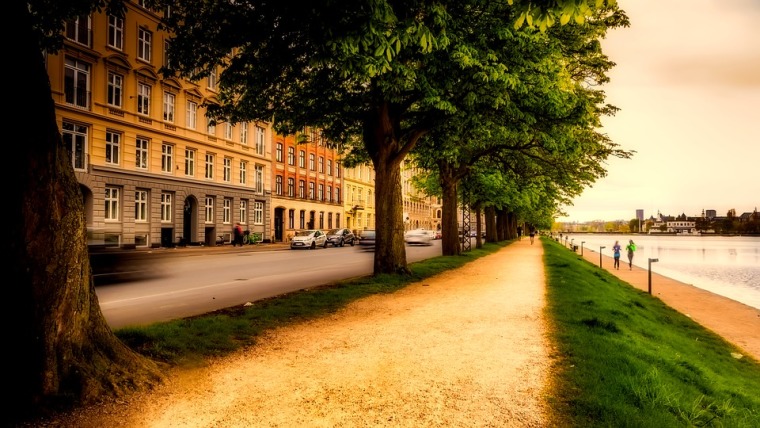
[(687, 81)]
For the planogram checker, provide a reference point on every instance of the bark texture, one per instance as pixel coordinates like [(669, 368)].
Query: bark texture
[(63, 351)]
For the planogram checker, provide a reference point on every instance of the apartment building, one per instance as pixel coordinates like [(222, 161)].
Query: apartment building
[(359, 205), (308, 186), (154, 171), (420, 211)]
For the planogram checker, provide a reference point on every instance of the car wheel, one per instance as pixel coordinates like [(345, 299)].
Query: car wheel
[(324, 245), (352, 242), (313, 245), (342, 243)]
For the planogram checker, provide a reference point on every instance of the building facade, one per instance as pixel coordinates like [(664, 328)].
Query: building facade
[(153, 170), (359, 203), (308, 185)]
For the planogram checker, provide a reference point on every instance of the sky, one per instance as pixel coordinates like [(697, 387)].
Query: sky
[(687, 82)]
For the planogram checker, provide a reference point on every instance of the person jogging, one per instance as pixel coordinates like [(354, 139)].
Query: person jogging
[(631, 248), (616, 255)]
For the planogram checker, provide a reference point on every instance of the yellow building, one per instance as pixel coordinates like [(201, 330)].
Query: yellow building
[(153, 170), (359, 203), (420, 211)]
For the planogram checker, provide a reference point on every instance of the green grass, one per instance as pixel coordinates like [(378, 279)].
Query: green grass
[(624, 358), (628, 360)]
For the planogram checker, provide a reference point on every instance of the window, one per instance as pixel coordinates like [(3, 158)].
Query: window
[(291, 219), (258, 213), (227, 130), (210, 166), (167, 63), (243, 211), (321, 219), (291, 156), (190, 162), (141, 206), (329, 167), (337, 219), (259, 136), (75, 140), (328, 197), (227, 170), (311, 190), (166, 207), (209, 209), (143, 99), (278, 152), (169, 99), (291, 187), (115, 32), (337, 196), (278, 185), (191, 115), (212, 79), (321, 192), (244, 133), (227, 211), (321, 164), (141, 153), (167, 158), (258, 178), (113, 147), (115, 89), (77, 83), (243, 166), (337, 169), (78, 29), (329, 221), (302, 159), (312, 165), (144, 40), (301, 189), (302, 219), (111, 204), (211, 126)]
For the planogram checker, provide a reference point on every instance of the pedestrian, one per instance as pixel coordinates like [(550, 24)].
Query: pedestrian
[(237, 235), (532, 235), (519, 233), (616, 255), (631, 247)]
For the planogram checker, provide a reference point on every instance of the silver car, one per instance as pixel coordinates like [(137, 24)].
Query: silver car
[(310, 239), (419, 237)]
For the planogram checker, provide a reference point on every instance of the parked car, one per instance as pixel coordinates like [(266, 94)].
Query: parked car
[(341, 237), (438, 234), (310, 239), (367, 239), (419, 237)]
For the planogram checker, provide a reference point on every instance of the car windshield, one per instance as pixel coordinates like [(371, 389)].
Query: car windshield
[(334, 231), (304, 232)]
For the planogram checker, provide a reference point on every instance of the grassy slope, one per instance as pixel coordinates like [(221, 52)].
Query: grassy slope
[(629, 360)]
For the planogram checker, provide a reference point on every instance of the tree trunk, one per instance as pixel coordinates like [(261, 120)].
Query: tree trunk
[(491, 224), (383, 146), (62, 350), (450, 245)]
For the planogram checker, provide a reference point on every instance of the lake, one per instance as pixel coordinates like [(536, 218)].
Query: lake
[(725, 265)]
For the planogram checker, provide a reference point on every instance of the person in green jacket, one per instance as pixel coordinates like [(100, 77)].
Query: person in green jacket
[(631, 247)]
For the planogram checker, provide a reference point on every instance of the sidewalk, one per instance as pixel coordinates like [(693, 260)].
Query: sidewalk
[(734, 321)]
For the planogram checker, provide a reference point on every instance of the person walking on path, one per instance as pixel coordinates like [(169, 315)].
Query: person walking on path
[(616, 255), (532, 235), (631, 248)]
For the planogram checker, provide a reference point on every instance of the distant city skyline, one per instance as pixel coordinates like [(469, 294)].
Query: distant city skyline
[(647, 214)]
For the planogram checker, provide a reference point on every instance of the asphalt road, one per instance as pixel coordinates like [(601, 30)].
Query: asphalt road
[(168, 284)]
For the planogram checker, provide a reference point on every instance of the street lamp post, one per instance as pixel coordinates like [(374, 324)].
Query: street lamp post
[(600, 255), (582, 242), (650, 273)]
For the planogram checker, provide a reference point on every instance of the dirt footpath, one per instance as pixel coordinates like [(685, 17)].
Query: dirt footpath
[(467, 348)]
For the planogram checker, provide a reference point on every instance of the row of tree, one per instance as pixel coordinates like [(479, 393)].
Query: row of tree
[(498, 104)]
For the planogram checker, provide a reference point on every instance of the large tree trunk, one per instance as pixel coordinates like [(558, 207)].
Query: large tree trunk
[(383, 146), (62, 351), (450, 245)]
